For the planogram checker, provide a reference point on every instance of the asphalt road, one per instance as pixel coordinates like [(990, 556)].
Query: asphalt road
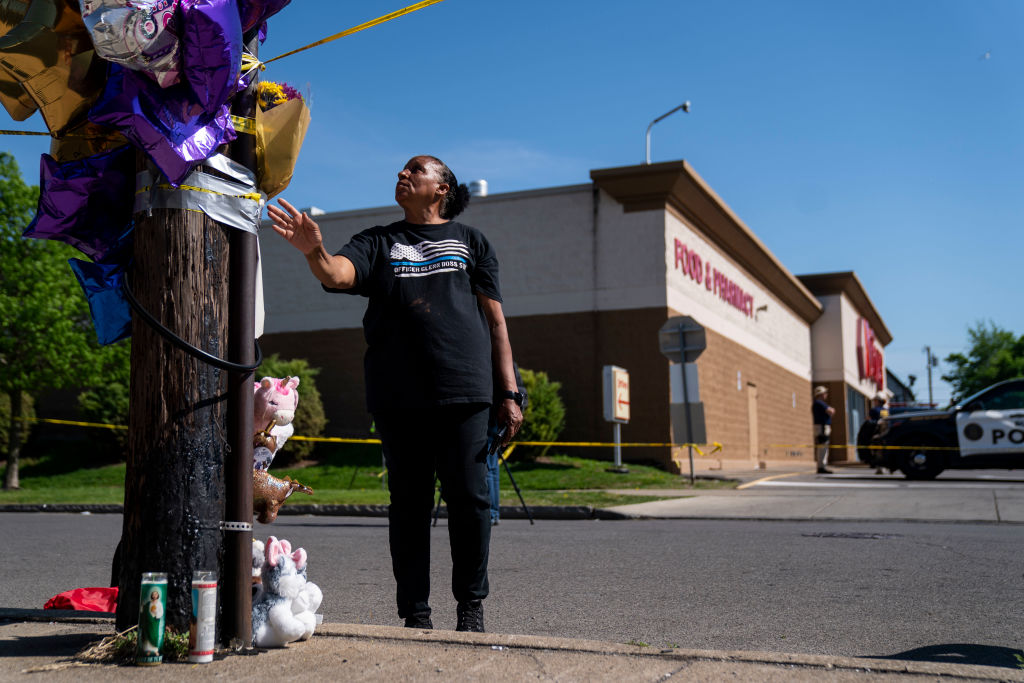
[(937, 592)]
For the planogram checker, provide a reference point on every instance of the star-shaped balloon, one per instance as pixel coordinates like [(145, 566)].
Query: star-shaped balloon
[(111, 313), (88, 204), (49, 56)]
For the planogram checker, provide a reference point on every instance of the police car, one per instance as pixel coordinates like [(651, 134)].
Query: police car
[(985, 430)]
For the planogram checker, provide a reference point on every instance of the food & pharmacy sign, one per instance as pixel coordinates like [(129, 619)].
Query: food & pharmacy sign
[(691, 264)]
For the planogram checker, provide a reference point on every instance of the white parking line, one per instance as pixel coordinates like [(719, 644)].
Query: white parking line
[(886, 485), (826, 484)]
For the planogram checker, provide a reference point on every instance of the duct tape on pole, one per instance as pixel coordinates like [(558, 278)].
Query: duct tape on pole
[(616, 406)]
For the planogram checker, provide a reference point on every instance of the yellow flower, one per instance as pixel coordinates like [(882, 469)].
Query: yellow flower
[(270, 94)]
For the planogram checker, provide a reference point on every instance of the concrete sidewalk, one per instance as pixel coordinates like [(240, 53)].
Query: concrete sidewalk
[(378, 653), (850, 493)]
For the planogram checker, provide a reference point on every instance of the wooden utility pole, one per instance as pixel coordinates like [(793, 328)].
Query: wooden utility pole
[(188, 485), (174, 483)]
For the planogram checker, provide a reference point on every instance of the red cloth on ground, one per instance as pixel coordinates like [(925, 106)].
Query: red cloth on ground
[(88, 599)]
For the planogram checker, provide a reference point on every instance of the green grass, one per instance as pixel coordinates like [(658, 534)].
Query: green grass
[(351, 475), (564, 472)]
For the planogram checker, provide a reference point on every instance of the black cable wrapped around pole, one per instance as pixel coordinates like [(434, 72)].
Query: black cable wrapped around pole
[(236, 598)]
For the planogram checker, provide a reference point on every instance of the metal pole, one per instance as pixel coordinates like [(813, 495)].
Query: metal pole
[(686, 401), (237, 584), (928, 352), (618, 444), (685, 106), (516, 487)]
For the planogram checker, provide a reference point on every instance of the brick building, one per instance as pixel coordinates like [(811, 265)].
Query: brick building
[(589, 274)]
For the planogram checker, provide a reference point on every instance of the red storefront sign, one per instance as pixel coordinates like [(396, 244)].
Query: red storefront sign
[(690, 263), (870, 361)]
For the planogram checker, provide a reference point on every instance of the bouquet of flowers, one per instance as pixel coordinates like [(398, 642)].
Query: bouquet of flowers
[(282, 117)]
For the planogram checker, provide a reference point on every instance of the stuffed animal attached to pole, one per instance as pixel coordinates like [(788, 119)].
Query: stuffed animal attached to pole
[(273, 409), (274, 404), (284, 610)]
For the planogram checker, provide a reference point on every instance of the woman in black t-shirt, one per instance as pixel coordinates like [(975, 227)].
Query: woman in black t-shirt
[(438, 354)]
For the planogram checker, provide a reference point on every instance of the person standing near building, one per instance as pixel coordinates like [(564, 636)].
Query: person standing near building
[(437, 351), (822, 427), (878, 409)]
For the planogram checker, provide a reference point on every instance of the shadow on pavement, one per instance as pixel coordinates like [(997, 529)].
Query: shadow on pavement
[(961, 653), (60, 645)]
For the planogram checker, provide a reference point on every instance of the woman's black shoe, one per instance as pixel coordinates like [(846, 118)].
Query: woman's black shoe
[(419, 621), (471, 616)]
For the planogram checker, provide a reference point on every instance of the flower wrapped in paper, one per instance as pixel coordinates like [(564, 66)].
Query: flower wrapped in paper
[(282, 117)]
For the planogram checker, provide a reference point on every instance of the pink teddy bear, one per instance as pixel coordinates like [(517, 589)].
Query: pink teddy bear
[(274, 404)]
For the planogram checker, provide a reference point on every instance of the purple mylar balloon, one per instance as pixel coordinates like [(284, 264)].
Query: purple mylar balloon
[(87, 203), (254, 12), (211, 49), (168, 124), (111, 314)]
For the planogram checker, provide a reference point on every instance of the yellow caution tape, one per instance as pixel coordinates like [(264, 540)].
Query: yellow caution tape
[(252, 196), (508, 452), (243, 124), (70, 422), (360, 27), (332, 439), (716, 446), (47, 134), (249, 62)]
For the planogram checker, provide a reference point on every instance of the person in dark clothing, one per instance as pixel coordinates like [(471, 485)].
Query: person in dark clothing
[(822, 412), (438, 351), (878, 409)]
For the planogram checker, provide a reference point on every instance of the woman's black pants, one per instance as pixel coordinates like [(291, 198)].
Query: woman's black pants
[(451, 442)]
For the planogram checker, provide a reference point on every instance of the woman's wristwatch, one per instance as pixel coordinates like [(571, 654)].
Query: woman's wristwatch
[(514, 395)]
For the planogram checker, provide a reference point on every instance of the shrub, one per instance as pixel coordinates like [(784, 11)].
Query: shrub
[(309, 416), (544, 418)]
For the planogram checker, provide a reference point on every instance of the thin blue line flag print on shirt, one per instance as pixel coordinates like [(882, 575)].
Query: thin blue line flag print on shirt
[(428, 258)]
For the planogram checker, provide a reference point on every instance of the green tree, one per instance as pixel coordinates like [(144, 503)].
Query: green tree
[(310, 418), (46, 335), (107, 403), (994, 354), (544, 417)]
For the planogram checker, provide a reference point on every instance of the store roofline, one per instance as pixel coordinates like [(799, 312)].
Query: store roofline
[(675, 186), (846, 282)]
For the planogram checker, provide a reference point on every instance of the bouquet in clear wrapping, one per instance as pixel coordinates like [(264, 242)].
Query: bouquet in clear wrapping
[(282, 117)]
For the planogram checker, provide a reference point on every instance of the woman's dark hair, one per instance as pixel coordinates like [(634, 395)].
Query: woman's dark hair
[(457, 199)]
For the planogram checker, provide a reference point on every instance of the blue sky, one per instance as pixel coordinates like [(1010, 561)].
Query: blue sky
[(881, 137)]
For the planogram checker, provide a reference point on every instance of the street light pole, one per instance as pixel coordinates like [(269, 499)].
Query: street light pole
[(932, 360), (685, 106)]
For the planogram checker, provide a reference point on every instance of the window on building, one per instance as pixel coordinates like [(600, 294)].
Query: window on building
[(856, 409)]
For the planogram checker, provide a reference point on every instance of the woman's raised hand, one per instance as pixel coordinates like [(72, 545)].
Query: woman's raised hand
[(295, 226)]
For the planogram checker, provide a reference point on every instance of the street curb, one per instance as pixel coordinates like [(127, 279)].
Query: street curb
[(64, 616), (545, 512), (556, 512), (377, 633), (62, 507), (824, 662), (762, 518)]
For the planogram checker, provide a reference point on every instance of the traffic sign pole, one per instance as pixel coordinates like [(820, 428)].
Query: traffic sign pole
[(686, 402)]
